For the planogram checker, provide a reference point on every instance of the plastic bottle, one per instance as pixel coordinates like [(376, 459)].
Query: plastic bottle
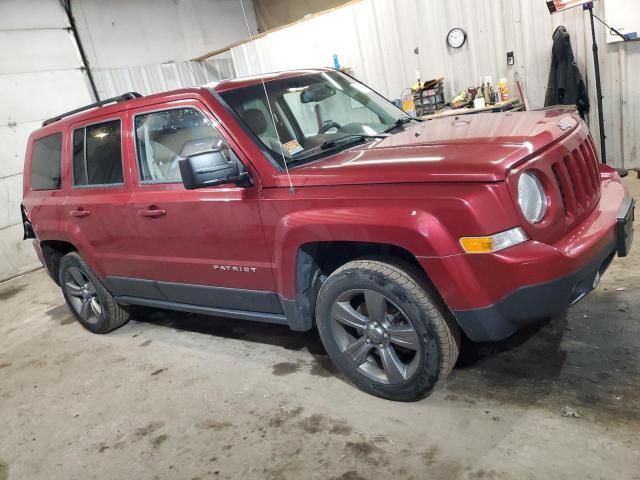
[(504, 89), (336, 62), (479, 102)]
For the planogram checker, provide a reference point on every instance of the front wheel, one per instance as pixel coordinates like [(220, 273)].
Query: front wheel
[(382, 329)]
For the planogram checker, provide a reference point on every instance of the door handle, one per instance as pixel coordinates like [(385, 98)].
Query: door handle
[(81, 212), (152, 212)]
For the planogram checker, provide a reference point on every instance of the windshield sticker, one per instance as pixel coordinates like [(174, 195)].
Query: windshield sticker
[(292, 147)]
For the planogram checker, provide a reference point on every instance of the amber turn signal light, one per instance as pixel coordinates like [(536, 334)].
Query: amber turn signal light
[(493, 243)]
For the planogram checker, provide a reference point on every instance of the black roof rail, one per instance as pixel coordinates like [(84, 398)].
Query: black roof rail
[(121, 98)]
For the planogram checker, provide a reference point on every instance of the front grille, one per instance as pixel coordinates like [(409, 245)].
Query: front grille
[(578, 179)]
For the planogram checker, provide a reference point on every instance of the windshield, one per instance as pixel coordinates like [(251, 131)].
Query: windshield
[(315, 114)]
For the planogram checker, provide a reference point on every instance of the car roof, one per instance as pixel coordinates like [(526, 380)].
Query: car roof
[(111, 109)]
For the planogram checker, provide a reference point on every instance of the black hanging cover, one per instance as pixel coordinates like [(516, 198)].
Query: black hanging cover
[(566, 86)]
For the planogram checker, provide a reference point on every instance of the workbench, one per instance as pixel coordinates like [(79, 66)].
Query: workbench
[(508, 106)]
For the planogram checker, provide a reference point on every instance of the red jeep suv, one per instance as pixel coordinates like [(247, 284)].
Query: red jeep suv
[(305, 198)]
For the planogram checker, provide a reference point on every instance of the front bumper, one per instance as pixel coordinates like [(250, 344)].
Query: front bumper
[(531, 303), (493, 296)]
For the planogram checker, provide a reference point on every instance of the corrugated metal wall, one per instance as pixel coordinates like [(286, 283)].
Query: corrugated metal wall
[(130, 33), (161, 77), (377, 38), (143, 45), (39, 77)]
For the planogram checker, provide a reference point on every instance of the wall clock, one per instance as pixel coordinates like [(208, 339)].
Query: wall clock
[(456, 38)]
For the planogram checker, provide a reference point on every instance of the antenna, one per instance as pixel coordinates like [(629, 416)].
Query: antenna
[(273, 118)]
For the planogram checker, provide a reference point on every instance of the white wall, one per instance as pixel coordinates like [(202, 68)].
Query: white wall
[(126, 33), (377, 39), (39, 77), (624, 16), (161, 77), (138, 45), (146, 42)]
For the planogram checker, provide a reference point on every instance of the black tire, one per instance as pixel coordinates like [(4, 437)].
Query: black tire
[(422, 356), (103, 313)]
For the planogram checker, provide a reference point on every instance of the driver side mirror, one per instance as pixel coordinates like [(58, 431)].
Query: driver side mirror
[(208, 169)]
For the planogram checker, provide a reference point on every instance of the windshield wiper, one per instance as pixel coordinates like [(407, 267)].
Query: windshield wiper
[(400, 122), (331, 144), (353, 136)]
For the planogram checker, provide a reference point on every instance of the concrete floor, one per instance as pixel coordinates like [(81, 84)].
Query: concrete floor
[(189, 397)]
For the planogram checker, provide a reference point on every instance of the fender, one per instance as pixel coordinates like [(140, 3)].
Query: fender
[(418, 232), (424, 220), (66, 232)]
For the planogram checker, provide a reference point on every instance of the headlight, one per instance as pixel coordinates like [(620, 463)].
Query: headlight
[(531, 197)]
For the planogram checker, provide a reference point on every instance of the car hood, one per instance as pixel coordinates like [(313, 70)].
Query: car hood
[(466, 148)]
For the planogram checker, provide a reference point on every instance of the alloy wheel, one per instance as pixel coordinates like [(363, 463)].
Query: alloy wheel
[(82, 295), (375, 336)]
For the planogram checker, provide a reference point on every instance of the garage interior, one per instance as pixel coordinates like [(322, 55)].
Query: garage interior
[(187, 396)]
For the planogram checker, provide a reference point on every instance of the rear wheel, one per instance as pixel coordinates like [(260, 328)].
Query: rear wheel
[(382, 329), (89, 301)]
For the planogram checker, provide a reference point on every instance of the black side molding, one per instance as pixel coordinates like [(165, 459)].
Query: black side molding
[(218, 312), (259, 306), (197, 295)]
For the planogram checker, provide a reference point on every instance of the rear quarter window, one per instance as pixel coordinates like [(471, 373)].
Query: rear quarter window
[(45, 163)]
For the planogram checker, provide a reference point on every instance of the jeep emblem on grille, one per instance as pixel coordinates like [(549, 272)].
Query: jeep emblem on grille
[(565, 124)]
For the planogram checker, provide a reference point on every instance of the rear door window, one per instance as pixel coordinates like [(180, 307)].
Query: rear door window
[(97, 155), (45, 163)]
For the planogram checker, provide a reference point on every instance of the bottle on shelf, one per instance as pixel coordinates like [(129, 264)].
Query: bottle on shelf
[(487, 90), (479, 101), (504, 89)]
